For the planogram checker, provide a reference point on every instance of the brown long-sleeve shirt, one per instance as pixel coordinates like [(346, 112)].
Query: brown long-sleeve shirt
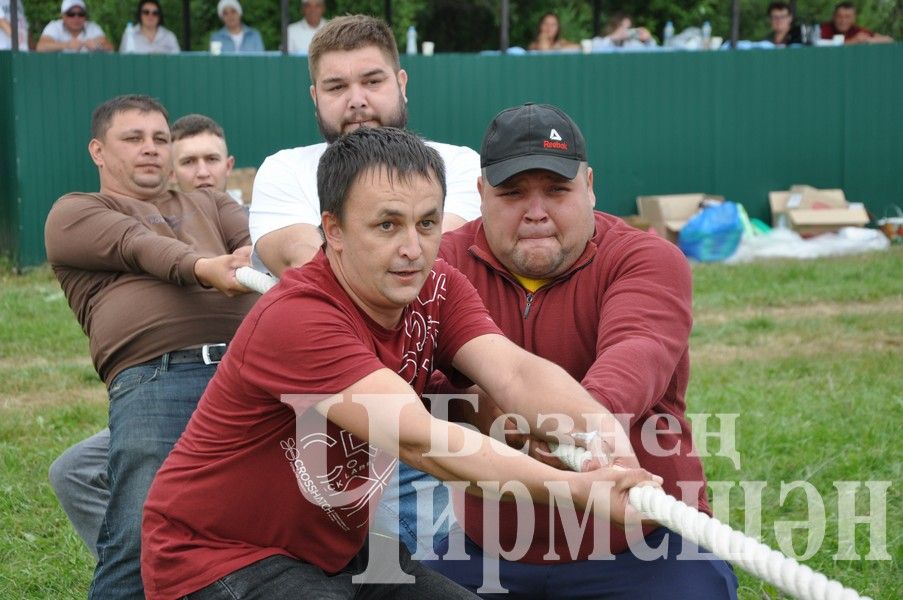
[(127, 269)]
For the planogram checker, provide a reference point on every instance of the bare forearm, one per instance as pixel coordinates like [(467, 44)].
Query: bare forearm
[(543, 405), (289, 247), (463, 455)]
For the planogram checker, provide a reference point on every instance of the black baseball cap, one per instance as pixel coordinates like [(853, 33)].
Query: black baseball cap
[(531, 136)]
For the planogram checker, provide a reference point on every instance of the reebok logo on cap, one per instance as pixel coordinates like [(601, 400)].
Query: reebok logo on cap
[(531, 136)]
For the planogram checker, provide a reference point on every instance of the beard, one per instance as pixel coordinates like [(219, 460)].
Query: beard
[(398, 119)]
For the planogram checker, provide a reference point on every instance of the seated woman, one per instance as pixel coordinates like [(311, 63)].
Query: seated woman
[(235, 36), (548, 35), (620, 33), (149, 36)]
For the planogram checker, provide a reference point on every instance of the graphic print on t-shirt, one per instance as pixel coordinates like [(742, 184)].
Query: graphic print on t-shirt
[(421, 331), (356, 472), (339, 472)]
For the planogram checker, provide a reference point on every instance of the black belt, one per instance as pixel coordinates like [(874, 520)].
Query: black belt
[(209, 354)]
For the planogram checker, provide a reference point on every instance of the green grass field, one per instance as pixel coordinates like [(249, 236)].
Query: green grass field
[(808, 356)]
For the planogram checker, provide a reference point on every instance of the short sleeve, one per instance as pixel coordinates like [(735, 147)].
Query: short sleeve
[(462, 168), (285, 191), (305, 344), (463, 317)]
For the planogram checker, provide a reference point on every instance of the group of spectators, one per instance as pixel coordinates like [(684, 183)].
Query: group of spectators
[(74, 32), (620, 31), (232, 466), (785, 31)]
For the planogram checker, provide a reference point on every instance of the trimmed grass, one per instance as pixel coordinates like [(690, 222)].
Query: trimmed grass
[(806, 354)]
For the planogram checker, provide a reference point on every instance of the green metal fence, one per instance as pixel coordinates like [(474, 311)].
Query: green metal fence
[(732, 123)]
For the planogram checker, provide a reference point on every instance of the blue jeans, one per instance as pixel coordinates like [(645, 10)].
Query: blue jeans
[(79, 480), (398, 510), (625, 577), (284, 578), (150, 405)]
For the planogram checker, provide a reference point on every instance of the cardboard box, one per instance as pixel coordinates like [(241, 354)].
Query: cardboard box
[(810, 211), (243, 180), (669, 213)]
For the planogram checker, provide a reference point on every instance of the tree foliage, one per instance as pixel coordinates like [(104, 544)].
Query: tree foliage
[(473, 25)]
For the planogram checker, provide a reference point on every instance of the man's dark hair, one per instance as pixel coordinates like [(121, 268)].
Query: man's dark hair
[(195, 124), (141, 4), (350, 33), (844, 4), (103, 114), (778, 6), (403, 155)]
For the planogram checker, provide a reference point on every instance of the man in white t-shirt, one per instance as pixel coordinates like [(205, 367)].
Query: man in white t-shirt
[(6, 27), (300, 33), (357, 81), (73, 32)]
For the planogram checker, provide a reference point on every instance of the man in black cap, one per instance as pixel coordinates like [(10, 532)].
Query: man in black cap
[(612, 306)]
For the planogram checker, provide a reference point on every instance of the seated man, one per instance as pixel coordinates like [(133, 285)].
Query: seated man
[(300, 33), (7, 30), (784, 31), (620, 33), (73, 32), (612, 306), (263, 496), (79, 475), (843, 22)]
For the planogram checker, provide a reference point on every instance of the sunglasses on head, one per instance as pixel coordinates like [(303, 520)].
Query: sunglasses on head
[(76, 13), (150, 11)]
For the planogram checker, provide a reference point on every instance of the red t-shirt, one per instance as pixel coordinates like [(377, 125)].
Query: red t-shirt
[(247, 479)]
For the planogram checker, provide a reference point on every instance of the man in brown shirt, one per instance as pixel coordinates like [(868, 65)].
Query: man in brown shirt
[(200, 159), (150, 275)]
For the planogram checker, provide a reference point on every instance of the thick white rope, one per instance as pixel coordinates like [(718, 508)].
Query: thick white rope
[(727, 544), (255, 280)]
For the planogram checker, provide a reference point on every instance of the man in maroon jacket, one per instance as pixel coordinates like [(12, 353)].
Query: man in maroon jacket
[(843, 21), (611, 305)]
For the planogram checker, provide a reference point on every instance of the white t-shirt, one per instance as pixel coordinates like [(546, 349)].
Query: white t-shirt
[(164, 42), (285, 187), (300, 34), (58, 31), (6, 42)]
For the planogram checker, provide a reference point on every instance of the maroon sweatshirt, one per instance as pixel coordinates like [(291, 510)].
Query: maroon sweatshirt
[(619, 322)]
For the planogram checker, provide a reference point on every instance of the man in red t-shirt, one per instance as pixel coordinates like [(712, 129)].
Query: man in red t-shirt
[(844, 22), (270, 489), (610, 304)]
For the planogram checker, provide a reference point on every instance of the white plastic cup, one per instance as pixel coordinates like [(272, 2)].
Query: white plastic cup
[(586, 46), (427, 48), (838, 39), (216, 48)]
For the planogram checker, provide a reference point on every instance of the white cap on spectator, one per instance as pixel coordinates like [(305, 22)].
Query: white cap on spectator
[(67, 4), (224, 4)]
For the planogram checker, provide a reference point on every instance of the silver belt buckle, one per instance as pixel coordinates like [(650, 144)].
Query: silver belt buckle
[(205, 353)]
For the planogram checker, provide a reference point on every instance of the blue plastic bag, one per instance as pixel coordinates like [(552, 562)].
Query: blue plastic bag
[(713, 233)]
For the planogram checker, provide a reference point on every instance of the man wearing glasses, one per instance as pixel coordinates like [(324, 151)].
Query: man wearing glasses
[(74, 32), (783, 31)]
